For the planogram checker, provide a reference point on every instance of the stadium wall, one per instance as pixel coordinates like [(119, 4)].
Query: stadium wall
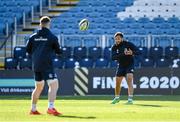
[(83, 81)]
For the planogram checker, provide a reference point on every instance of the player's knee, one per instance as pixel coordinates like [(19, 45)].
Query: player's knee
[(119, 79), (39, 89), (39, 86), (53, 84), (129, 79)]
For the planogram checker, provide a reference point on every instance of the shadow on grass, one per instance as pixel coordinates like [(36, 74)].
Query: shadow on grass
[(76, 117), (146, 105)]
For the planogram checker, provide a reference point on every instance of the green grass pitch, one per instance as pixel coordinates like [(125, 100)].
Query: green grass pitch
[(93, 109)]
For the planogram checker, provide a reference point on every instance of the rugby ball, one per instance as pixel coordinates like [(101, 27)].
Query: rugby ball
[(83, 24)]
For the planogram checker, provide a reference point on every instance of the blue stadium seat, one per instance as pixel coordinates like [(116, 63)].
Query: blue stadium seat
[(173, 20), (94, 15), (84, 3), (107, 26), (146, 62), (113, 64), (101, 63), (73, 26), (150, 26), (25, 63), (88, 9), (97, 3), (70, 63), (177, 26), (143, 20), (11, 16), (171, 52), (66, 52), (102, 9), (135, 26), (86, 62), (142, 32), (107, 53), (34, 3), (109, 15), (75, 10), (128, 31), (172, 31), (55, 31), (57, 63), (116, 9), (25, 9), (158, 20), (94, 26), (156, 52), (94, 52), (11, 63), (20, 52), (162, 62), (110, 4), (6, 19), (98, 20), (57, 20), (156, 31), (125, 3), (111, 31), (112, 21), (60, 26), (3, 9), (10, 3), (129, 20), (165, 25), (122, 25), (137, 60), (80, 15), (80, 52), (66, 15), (70, 21)]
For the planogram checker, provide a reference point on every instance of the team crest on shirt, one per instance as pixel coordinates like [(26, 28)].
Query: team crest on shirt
[(50, 75), (117, 51)]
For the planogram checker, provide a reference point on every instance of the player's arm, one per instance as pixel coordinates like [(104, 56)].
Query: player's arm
[(56, 47), (115, 55), (29, 46), (134, 50)]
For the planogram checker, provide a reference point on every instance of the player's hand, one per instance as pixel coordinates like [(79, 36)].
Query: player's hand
[(129, 52)]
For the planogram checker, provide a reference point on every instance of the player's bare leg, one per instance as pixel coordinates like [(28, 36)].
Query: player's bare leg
[(117, 90), (39, 85), (53, 88), (129, 79)]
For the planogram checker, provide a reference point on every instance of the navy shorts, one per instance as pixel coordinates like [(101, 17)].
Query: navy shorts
[(122, 71), (46, 75)]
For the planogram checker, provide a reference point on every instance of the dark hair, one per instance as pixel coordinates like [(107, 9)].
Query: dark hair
[(45, 20), (119, 34)]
